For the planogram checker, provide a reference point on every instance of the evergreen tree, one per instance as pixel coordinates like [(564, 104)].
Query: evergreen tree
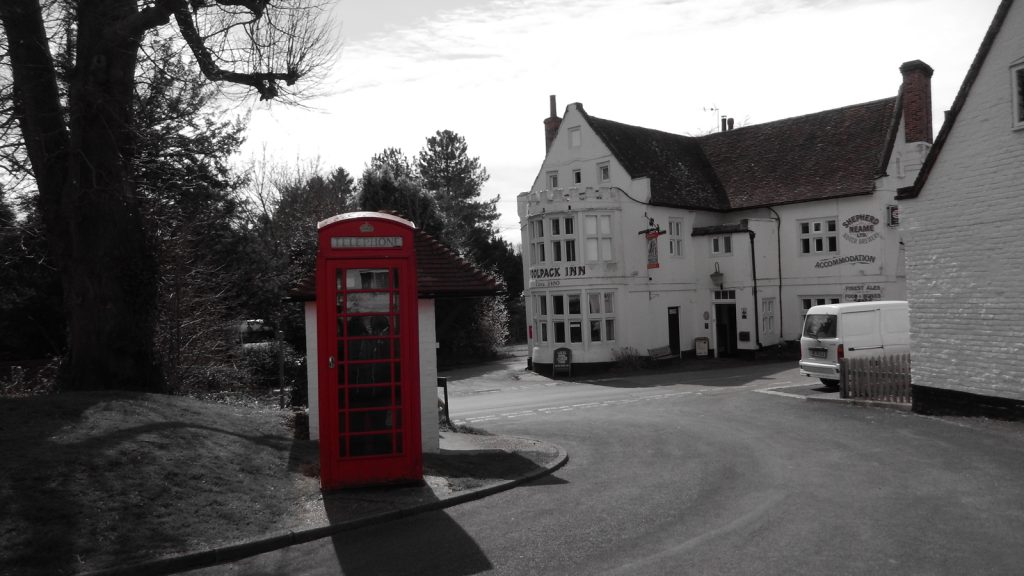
[(389, 183), (301, 204), (31, 322), (455, 181)]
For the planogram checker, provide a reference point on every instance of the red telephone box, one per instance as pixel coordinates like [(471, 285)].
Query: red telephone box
[(368, 351)]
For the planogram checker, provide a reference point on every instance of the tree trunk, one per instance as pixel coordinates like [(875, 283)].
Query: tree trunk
[(108, 268), (80, 159)]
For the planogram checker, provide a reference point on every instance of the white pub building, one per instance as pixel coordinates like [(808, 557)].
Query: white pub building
[(637, 241)]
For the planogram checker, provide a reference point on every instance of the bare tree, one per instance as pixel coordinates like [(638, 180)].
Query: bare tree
[(70, 68)]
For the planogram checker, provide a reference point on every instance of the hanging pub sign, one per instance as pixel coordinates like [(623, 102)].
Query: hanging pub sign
[(652, 250), (892, 215), (651, 235)]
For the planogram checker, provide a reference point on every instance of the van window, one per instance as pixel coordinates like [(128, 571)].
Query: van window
[(820, 326)]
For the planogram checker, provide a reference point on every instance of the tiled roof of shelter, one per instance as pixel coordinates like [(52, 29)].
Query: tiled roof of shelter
[(828, 154), (440, 273)]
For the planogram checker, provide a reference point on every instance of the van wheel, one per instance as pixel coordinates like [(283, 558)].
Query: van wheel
[(830, 383)]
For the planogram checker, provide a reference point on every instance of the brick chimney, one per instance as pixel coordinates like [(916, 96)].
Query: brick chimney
[(551, 124), (916, 99)]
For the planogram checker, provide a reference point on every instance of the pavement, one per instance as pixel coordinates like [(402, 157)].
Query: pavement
[(819, 393), (469, 466)]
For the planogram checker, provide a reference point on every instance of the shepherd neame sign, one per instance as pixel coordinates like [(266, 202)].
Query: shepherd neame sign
[(860, 229)]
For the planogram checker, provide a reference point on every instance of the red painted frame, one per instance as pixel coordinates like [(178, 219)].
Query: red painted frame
[(367, 240)]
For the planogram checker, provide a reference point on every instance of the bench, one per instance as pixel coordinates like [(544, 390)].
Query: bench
[(661, 353)]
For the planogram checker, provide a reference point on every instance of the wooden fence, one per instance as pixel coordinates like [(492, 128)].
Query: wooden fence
[(885, 379)]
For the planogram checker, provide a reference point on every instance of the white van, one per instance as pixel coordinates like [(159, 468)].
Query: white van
[(836, 331)]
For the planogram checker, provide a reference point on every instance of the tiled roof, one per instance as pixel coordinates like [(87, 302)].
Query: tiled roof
[(828, 154), (958, 103), (440, 273), (679, 172)]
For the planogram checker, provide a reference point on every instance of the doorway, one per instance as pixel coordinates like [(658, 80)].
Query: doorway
[(673, 329), (725, 330)]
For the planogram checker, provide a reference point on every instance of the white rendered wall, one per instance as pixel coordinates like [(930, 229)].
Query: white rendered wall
[(312, 371), (428, 378), (965, 250)]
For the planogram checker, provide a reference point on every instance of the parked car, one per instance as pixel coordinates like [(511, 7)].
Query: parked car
[(853, 329)]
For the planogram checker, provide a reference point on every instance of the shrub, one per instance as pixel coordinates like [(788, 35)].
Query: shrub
[(627, 357)]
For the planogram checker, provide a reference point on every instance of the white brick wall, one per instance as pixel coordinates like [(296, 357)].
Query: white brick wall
[(965, 242)]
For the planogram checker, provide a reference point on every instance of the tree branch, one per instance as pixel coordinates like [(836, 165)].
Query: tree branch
[(263, 82), (36, 96), (146, 19)]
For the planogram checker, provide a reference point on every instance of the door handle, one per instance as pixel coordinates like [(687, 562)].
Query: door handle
[(330, 362)]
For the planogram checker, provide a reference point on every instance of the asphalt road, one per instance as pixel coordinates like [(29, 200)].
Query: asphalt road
[(705, 472)]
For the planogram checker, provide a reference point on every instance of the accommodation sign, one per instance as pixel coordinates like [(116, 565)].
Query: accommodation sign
[(558, 272), (852, 259), (861, 228)]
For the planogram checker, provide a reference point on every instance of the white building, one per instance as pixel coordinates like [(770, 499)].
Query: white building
[(965, 252), (636, 239)]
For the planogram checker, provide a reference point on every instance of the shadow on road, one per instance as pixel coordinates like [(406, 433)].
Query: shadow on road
[(728, 373), (430, 543)]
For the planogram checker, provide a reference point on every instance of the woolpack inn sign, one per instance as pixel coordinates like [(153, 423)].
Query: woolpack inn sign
[(558, 272)]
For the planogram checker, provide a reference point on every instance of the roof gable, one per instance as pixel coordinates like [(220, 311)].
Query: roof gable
[(679, 172)]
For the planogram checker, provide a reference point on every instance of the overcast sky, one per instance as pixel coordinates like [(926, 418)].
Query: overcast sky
[(485, 69)]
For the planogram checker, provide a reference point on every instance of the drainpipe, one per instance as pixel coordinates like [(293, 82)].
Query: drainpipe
[(753, 271), (778, 253)]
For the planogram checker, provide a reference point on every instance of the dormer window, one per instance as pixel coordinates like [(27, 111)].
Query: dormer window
[(1017, 84), (604, 172)]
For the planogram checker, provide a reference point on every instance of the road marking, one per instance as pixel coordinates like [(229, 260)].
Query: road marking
[(571, 407), (777, 391)]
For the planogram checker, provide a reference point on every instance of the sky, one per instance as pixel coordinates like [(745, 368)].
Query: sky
[(485, 69)]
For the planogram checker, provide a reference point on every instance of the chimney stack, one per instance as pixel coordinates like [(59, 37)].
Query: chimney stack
[(916, 99), (551, 124)]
